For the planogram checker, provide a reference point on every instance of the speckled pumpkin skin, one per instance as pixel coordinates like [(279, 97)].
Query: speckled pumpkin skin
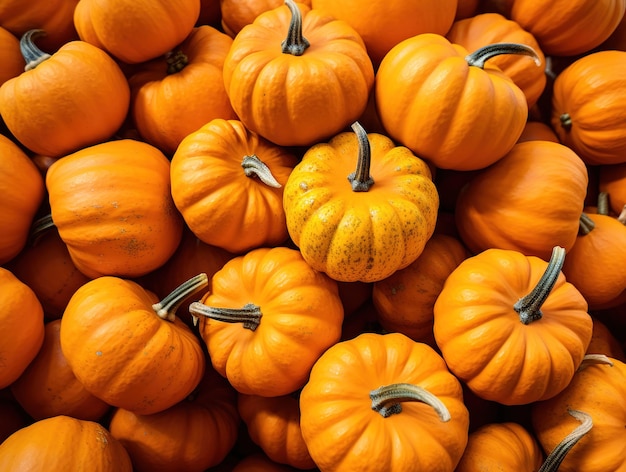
[(360, 236)]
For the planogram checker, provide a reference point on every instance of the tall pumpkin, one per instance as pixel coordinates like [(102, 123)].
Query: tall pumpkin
[(334, 75)]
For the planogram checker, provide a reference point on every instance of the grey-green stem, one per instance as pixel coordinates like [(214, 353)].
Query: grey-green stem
[(387, 400), (585, 224), (255, 167), (176, 61), (295, 43), (166, 308), (529, 307), (603, 203), (558, 454), (249, 315), (33, 56), (40, 227), (479, 57), (361, 180)]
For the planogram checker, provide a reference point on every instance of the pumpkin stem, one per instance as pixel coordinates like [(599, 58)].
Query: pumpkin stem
[(529, 307), (361, 179), (250, 315), (31, 53), (482, 55), (622, 216), (39, 227), (166, 308), (255, 167), (603, 203), (585, 224), (594, 359), (554, 459), (566, 121), (294, 44), (387, 400), (176, 61)]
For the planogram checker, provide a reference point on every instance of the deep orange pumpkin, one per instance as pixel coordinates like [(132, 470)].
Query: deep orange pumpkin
[(239, 13), (612, 180), (10, 56)]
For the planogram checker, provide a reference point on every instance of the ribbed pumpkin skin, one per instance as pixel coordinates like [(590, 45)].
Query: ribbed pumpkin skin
[(591, 91), (238, 13), (63, 443), (129, 226), (10, 56)]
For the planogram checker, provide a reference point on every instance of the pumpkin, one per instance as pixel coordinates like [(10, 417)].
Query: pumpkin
[(129, 349), (404, 300), (267, 319), (76, 97), (359, 207), (46, 267), (371, 399), (568, 27), (587, 102), (328, 57), (538, 131), (466, 9), (63, 443), (274, 424), (595, 264), (173, 96), (526, 327), (49, 388), (604, 341), (195, 434), (501, 446), (529, 201), (22, 189), (612, 181), (134, 31), (448, 106), (383, 24), (239, 13), (598, 390), (112, 206), (22, 334), (12, 61), (490, 28), (227, 182)]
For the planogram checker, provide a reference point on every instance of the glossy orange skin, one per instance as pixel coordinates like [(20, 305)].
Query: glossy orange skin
[(454, 115), (529, 201), (22, 189), (48, 387), (22, 334), (339, 425), (501, 446), (193, 435), (221, 205), (511, 363), (238, 13), (612, 180), (76, 98), (598, 390), (129, 226), (301, 317), (567, 28), (123, 353), (335, 76), (592, 93), (135, 31), (166, 107), (12, 61), (538, 131), (63, 443)]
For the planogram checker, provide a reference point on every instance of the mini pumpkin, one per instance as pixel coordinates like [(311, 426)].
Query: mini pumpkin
[(239, 13), (612, 181), (12, 61)]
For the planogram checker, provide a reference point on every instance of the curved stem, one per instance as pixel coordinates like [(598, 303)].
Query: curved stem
[(39, 227), (361, 179), (566, 121), (387, 400), (33, 56), (554, 459), (294, 44), (594, 359), (482, 55), (603, 203), (250, 314), (255, 167), (529, 307), (585, 224), (167, 307), (622, 216), (176, 61)]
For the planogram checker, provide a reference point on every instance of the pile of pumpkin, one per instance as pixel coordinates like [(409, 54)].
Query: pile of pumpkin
[(333, 235)]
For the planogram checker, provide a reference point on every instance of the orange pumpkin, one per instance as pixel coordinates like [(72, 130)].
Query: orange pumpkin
[(227, 182), (612, 180), (239, 13), (489, 28), (63, 443), (175, 95), (129, 226), (22, 333), (127, 348), (193, 435), (328, 57), (370, 400), (603, 341), (267, 319), (447, 105), (511, 327), (12, 60), (135, 31), (528, 201), (22, 189), (538, 131), (76, 97), (588, 100), (49, 388)]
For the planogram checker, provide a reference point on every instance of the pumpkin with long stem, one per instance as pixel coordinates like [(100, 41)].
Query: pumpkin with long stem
[(526, 327), (359, 207)]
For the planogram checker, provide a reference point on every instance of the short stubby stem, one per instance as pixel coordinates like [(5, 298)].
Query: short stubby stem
[(255, 167)]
